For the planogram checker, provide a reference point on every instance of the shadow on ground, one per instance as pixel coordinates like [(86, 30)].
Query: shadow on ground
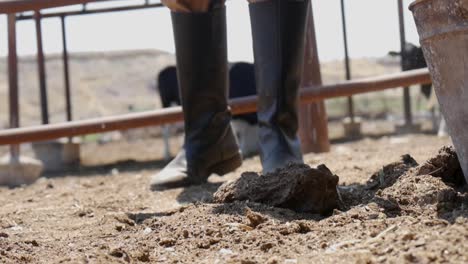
[(375, 136), (128, 166), (199, 193)]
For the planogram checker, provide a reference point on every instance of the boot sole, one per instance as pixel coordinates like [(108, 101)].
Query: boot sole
[(220, 169), (227, 166)]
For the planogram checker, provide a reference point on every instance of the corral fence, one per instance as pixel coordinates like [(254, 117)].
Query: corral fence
[(313, 93)]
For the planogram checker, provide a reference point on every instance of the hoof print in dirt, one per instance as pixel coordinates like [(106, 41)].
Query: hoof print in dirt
[(444, 165), (297, 187)]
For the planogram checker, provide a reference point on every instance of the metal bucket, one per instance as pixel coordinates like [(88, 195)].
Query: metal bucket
[(443, 31)]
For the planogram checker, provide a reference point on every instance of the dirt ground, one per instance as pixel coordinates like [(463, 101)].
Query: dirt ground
[(113, 217)]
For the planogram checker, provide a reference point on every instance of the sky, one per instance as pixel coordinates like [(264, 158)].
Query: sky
[(372, 30)]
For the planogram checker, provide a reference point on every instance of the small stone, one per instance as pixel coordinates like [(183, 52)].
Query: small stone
[(410, 257), (123, 218), (161, 259), (289, 228), (209, 232), (274, 260), (204, 244), (255, 219), (147, 231), (167, 242), (114, 172), (119, 253), (33, 243), (3, 235), (373, 216), (382, 216), (214, 241), (144, 257), (239, 226), (354, 216), (16, 228), (304, 228), (382, 259), (83, 213), (408, 236), (460, 220), (267, 246), (336, 212), (420, 243), (119, 227), (225, 251)]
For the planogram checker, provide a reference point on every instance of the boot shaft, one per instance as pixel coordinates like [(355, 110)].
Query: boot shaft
[(278, 28), (201, 54)]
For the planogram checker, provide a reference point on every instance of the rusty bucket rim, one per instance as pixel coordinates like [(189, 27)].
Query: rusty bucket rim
[(415, 3)]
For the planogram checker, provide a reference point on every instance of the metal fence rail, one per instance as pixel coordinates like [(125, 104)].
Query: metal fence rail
[(92, 11)]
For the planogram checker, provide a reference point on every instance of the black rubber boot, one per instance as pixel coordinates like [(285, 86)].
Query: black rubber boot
[(278, 29), (210, 145)]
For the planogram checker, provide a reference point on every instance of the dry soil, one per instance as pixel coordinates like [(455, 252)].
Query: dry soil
[(388, 214)]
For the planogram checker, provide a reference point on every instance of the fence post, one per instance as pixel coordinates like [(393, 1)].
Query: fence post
[(13, 83), (406, 92), (66, 71), (41, 70), (313, 123)]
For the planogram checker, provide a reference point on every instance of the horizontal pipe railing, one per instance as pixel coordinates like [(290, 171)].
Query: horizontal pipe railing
[(16, 6), (174, 114), (92, 11)]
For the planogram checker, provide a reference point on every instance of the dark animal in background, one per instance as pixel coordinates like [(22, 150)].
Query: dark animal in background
[(168, 87), (414, 59), (241, 84)]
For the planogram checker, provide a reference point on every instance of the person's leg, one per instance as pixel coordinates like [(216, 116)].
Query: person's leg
[(278, 29), (210, 145)]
